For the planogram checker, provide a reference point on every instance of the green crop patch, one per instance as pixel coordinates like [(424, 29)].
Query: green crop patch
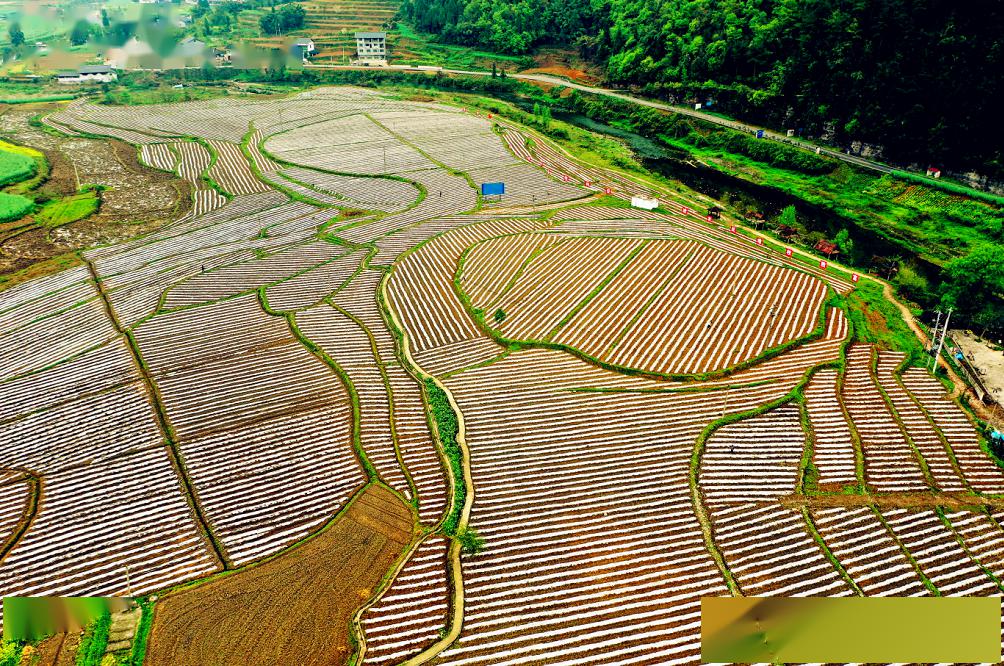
[(14, 166), (13, 206), (68, 209)]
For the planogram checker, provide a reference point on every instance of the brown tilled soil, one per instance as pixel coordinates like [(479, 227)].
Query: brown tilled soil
[(138, 199), (58, 650), (295, 609), (898, 500)]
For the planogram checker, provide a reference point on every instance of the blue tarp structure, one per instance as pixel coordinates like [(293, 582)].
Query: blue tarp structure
[(490, 189)]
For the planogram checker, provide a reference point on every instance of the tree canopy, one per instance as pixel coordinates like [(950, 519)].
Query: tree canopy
[(914, 76), (15, 34), (290, 17), (974, 287)]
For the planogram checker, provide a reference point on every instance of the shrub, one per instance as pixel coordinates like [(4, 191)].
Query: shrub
[(95, 640), (449, 428), (10, 653), (471, 543)]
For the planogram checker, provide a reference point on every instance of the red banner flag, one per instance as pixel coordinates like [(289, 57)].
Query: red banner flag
[(732, 228), (686, 211), (607, 190), (822, 263), (759, 241), (854, 277), (787, 252)]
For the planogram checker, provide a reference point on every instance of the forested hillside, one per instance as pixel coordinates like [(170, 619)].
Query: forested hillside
[(919, 77)]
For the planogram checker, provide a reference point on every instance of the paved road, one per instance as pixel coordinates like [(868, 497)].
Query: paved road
[(682, 110)]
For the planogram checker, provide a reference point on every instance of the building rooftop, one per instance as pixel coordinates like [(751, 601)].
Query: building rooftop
[(365, 35), (303, 41), (95, 69)]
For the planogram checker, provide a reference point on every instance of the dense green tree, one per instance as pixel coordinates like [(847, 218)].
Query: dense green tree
[(80, 33), (200, 9), (917, 77), (15, 34), (974, 286), (289, 17)]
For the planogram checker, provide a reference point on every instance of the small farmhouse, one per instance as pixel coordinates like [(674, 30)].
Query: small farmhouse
[(88, 74)]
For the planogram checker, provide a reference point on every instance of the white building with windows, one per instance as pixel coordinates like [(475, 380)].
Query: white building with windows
[(371, 48)]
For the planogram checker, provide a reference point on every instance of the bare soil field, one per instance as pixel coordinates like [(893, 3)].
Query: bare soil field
[(305, 597), (137, 199)]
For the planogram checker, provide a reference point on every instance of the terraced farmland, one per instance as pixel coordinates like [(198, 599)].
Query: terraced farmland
[(631, 409)]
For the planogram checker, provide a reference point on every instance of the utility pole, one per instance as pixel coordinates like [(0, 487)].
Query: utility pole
[(941, 341), (934, 333)]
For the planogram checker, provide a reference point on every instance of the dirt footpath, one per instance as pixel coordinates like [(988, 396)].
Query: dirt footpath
[(295, 609)]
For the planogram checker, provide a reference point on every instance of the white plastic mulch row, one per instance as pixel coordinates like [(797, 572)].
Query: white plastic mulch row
[(237, 278), (890, 463), (921, 432), (89, 428), (85, 127), (268, 483), (833, 446), (14, 496), (352, 144), (718, 310), (592, 549), (159, 156), (421, 293), (232, 171), (217, 331), (30, 310), (770, 551), (115, 528), (526, 185), (555, 282), (410, 615), (863, 546), (371, 193), (489, 267), (66, 333), (982, 536), (307, 288), (980, 472), (754, 459), (359, 298), (195, 159), (605, 320), (349, 345), (446, 194), (125, 251), (32, 291), (420, 287), (399, 241), (225, 393), (462, 141), (726, 310), (137, 278), (419, 453), (105, 367), (938, 554)]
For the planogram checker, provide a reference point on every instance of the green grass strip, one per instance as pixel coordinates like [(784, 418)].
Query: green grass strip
[(447, 428)]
